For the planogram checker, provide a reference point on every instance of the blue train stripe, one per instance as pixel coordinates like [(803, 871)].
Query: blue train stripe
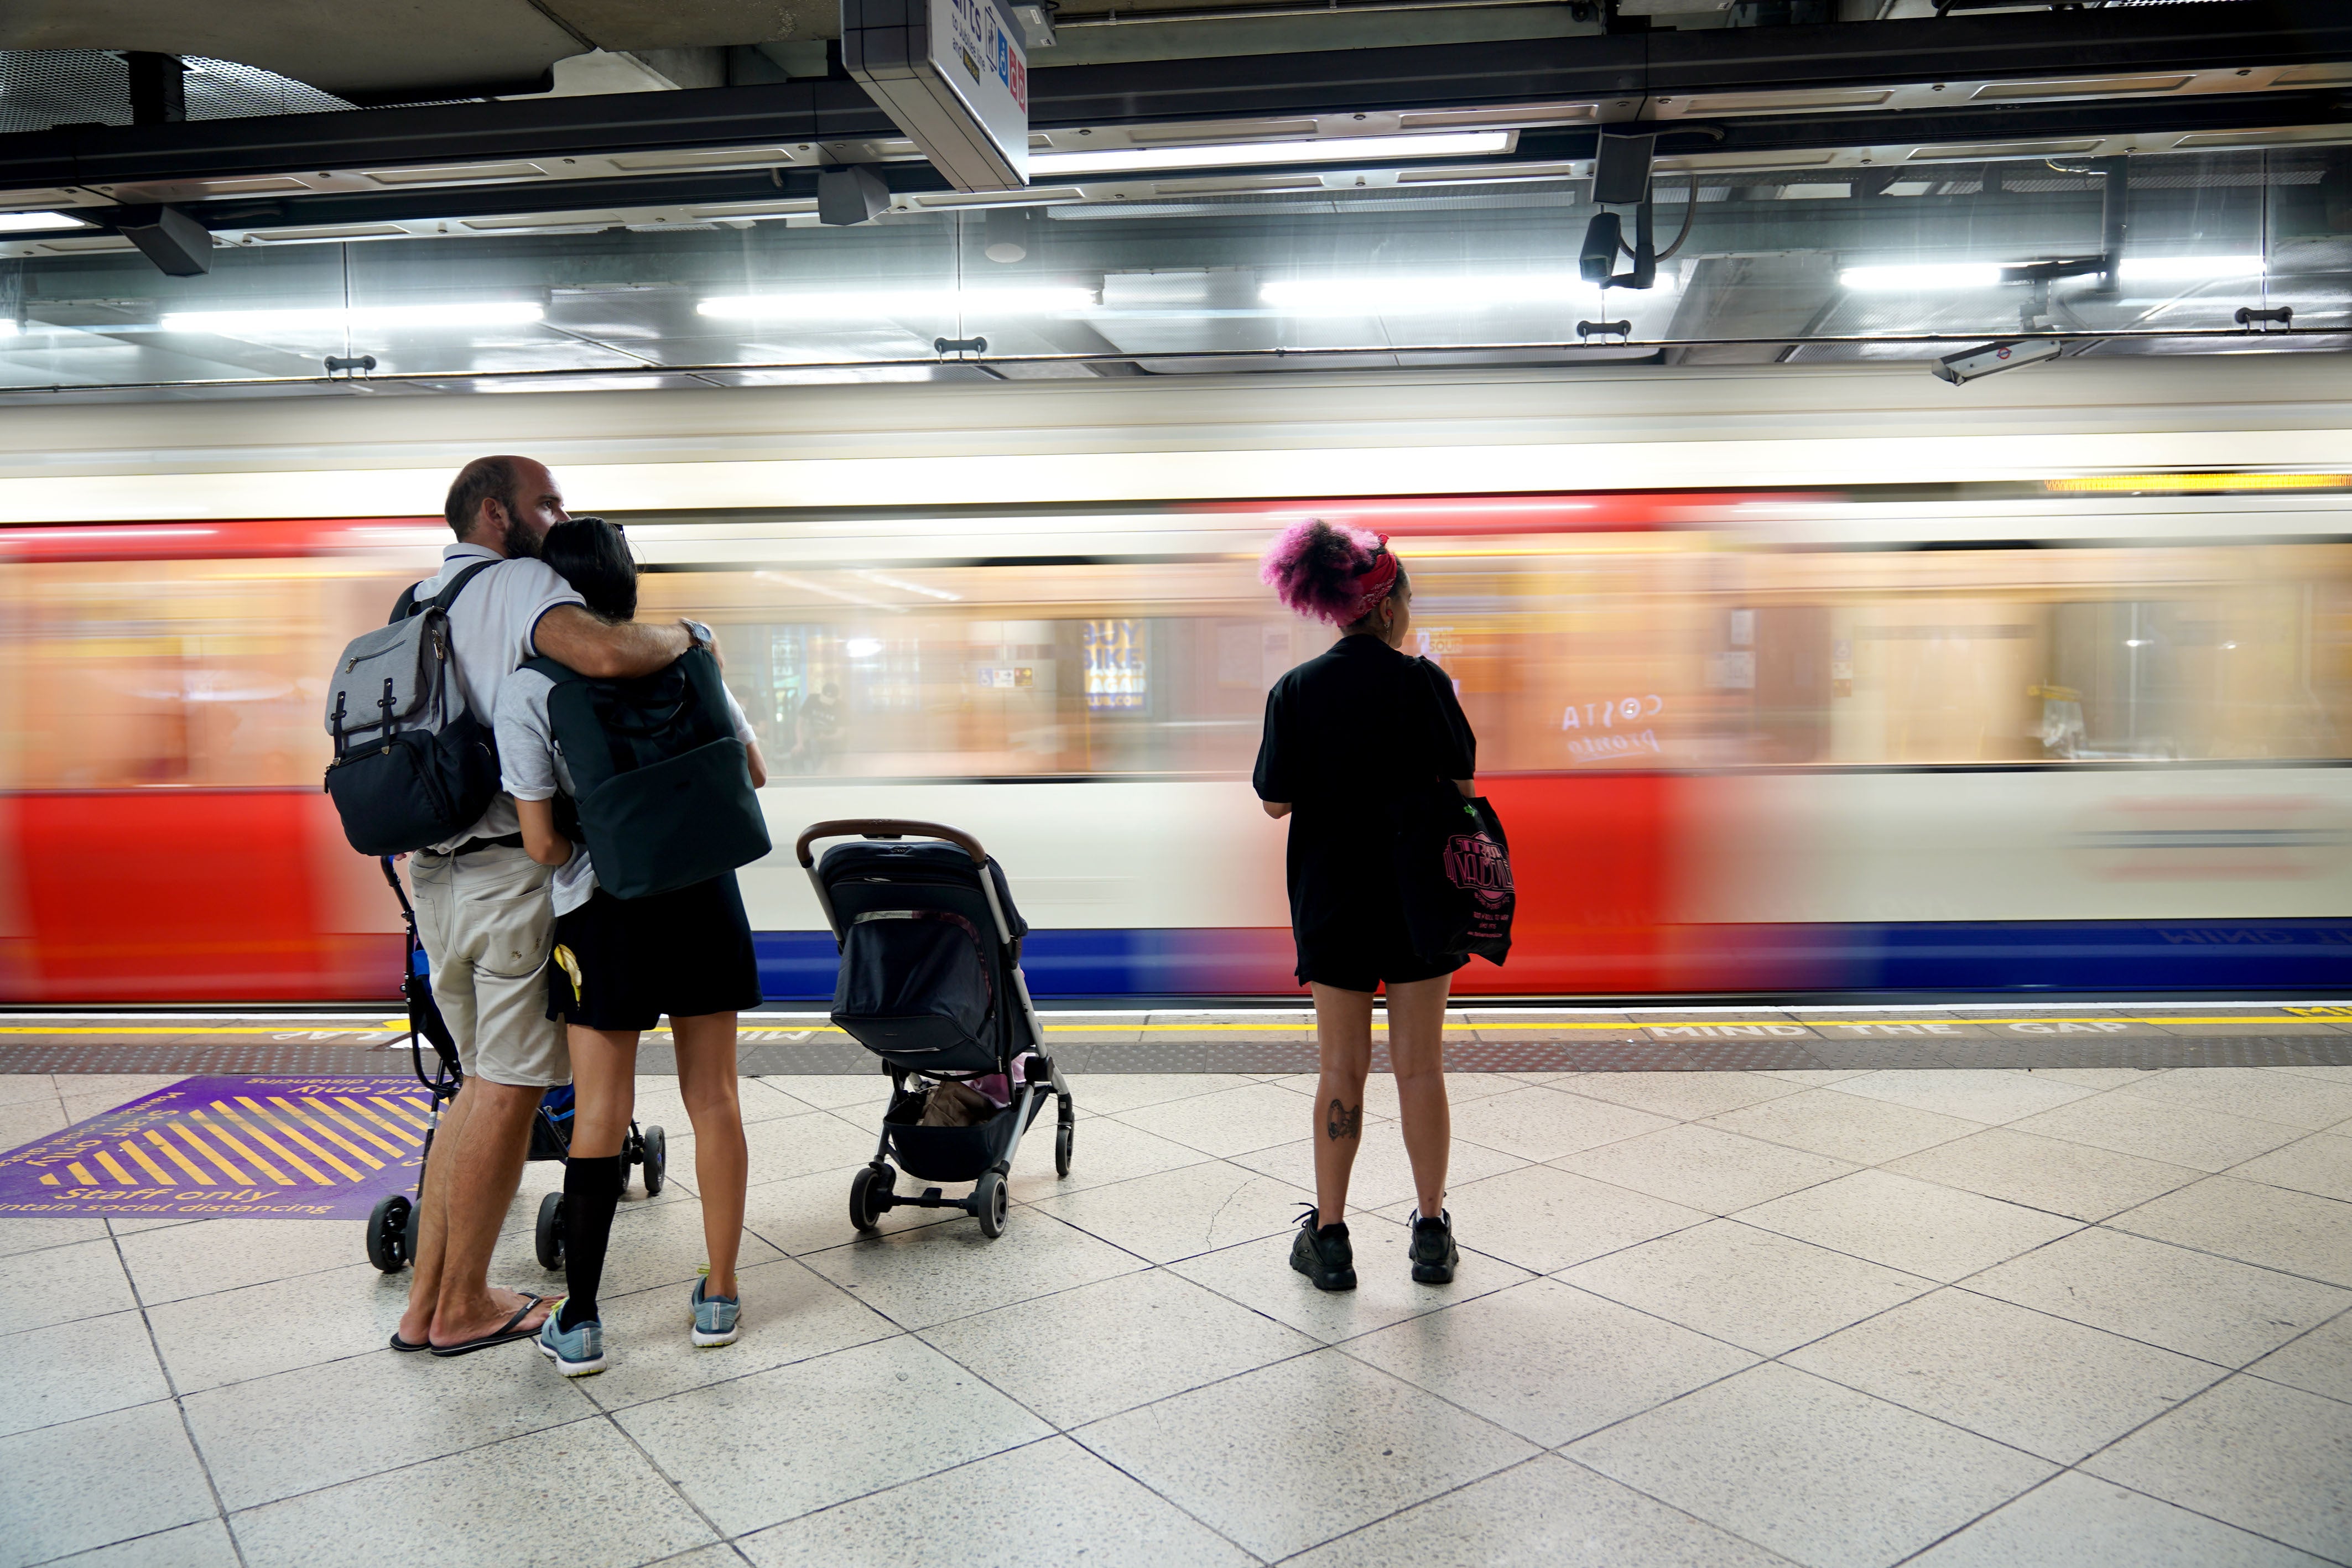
[(2079, 955), (799, 965), (1991, 957)]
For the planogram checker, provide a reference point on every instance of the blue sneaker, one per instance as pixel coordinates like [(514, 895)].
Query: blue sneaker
[(715, 1317), (580, 1352)]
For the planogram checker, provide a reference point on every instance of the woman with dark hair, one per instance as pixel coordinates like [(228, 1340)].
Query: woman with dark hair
[(1350, 736), (618, 966)]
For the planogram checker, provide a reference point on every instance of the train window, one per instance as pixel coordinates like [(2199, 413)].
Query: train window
[(200, 674), (1570, 654)]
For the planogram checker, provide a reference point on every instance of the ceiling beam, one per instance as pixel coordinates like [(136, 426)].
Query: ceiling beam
[(1743, 139), (1622, 72)]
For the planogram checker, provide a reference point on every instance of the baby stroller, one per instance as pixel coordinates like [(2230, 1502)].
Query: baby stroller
[(930, 982), (391, 1228)]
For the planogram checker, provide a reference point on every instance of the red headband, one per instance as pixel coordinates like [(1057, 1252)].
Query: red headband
[(1376, 581)]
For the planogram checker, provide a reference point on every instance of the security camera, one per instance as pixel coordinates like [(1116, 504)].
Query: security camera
[(1597, 258), (1970, 364)]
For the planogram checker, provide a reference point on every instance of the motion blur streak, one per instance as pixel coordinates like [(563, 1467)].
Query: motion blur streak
[(1872, 738)]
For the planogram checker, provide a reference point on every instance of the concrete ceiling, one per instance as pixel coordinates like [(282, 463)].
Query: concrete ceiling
[(446, 48), (393, 46)]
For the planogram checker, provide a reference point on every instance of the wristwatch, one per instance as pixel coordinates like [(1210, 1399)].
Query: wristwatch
[(702, 636)]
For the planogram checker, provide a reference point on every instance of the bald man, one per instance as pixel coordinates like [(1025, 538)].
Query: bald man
[(483, 909)]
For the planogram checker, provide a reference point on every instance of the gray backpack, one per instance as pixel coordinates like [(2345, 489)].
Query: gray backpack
[(412, 767)]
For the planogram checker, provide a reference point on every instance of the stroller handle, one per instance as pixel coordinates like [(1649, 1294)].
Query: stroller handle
[(888, 828)]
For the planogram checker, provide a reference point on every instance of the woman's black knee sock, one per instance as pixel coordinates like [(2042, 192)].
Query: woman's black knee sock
[(591, 1190)]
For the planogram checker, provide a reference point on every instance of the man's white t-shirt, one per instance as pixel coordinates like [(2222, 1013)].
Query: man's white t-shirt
[(534, 768), (491, 628)]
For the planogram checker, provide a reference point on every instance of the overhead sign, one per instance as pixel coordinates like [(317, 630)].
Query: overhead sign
[(953, 75), (284, 1148)]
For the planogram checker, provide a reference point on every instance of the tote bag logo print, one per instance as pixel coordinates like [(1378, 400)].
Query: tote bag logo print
[(1478, 865)]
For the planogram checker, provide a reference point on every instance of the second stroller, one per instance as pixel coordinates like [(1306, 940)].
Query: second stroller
[(930, 982)]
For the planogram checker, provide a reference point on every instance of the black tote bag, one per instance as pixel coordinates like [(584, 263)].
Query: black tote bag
[(1453, 865)]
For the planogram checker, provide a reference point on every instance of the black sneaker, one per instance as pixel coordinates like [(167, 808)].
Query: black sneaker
[(1325, 1255), (1432, 1249)]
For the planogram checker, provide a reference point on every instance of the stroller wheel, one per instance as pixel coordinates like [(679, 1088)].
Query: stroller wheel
[(869, 1194), (655, 1145), (1066, 1132), (389, 1230), (990, 1200), (550, 1236)]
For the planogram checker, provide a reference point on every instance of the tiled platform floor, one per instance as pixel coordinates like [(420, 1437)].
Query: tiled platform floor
[(2077, 1316)]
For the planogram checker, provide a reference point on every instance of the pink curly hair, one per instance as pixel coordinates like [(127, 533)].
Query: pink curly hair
[(1313, 568)]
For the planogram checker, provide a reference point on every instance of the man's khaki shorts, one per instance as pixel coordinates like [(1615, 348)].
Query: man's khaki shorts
[(488, 925)]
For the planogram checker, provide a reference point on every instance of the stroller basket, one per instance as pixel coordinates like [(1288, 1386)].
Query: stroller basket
[(930, 982), (953, 1153)]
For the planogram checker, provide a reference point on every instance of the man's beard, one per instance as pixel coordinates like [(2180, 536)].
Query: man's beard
[(521, 544)]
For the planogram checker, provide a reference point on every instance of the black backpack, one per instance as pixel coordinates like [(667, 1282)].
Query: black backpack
[(412, 767), (662, 788)]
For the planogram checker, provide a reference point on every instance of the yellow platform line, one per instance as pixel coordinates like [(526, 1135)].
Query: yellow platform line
[(1204, 1028), (1453, 1027), (293, 1128), (359, 1109), (223, 1135), (1303, 1027), (114, 1168), (361, 1155), (203, 1149), (260, 1135), (162, 1177), (81, 1176), (341, 1121), (170, 1028), (177, 1158)]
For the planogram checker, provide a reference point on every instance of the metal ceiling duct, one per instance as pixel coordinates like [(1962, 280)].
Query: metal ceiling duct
[(42, 88)]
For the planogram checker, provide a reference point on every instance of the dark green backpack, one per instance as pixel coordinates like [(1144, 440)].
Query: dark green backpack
[(662, 788)]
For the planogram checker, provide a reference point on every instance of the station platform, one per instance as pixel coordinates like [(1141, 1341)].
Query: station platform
[(2025, 1314)]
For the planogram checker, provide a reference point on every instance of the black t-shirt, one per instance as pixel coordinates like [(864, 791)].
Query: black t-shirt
[(1348, 734)]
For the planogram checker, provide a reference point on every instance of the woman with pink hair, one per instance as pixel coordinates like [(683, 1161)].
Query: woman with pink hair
[(1350, 736)]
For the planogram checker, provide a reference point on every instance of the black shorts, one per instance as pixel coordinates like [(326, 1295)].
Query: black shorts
[(1357, 949), (620, 964), (1365, 972)]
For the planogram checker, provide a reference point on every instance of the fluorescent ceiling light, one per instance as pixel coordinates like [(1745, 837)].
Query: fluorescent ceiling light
[(1957, 275), (1946, 276), (868, 303), (2188, 268), (1423, 295), (337, 319), (34, 223), (1246, 155)]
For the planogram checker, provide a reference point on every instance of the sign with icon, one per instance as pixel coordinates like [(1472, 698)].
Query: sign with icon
[(954, 77)]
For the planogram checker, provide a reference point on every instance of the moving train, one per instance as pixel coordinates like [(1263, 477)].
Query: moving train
[(1796, 680)]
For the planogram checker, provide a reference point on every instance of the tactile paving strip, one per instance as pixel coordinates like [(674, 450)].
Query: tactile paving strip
[(85, 1053), (829, 1053)]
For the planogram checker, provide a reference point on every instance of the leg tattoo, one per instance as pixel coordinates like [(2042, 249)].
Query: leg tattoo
[(1344, 1123)]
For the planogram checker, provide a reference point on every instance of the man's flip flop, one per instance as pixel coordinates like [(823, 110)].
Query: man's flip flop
[(507, 1332), (406, 1346)]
